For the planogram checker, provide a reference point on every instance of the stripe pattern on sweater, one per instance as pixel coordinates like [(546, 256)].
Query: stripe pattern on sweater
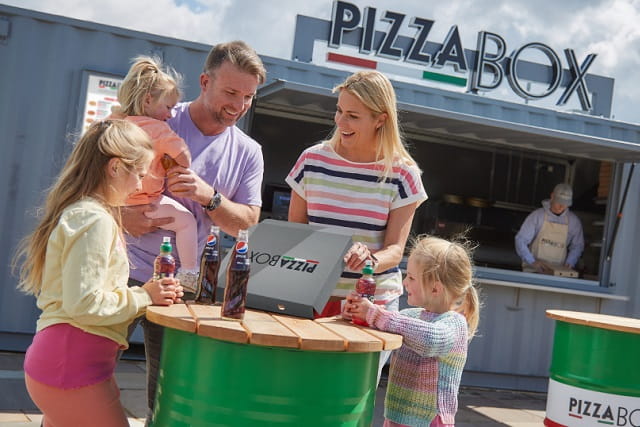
[(425, 373)]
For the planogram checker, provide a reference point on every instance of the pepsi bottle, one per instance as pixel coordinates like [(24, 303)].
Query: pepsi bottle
[(164, 264), (209, 266), (235, 291)]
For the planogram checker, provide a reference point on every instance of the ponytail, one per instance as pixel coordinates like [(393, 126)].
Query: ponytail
[(470, 308)]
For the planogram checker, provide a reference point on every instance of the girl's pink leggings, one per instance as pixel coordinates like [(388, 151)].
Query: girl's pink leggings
[(96, 405)]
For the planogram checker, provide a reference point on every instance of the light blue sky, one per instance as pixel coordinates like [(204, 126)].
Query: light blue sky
[(608, 28)]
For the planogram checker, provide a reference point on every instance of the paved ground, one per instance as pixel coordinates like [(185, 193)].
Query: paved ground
[(478, 407)]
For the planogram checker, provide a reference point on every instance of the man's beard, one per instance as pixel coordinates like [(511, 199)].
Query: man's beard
[(223, 119)]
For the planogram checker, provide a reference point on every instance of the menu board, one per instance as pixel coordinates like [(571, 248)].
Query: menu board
[(101, 93)]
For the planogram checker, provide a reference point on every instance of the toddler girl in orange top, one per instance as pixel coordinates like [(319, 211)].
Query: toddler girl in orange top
[(146, 97)]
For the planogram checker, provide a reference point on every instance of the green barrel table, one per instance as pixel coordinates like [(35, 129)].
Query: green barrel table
[(268, 370), (595, 371)]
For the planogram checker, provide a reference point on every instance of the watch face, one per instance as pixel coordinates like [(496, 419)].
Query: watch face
[(214, 202)]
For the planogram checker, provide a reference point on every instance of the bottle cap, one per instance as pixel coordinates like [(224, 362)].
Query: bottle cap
[(368, 268), (166, 244)]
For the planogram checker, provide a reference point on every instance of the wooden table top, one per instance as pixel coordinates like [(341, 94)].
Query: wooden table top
[(604, 321), (274, 330)]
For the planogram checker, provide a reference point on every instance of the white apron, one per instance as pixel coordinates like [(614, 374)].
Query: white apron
[(550, 245)]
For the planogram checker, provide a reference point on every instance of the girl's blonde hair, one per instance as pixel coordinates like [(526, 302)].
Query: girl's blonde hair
[(147, 76), (84, 174), (375, 91), (449, 262)]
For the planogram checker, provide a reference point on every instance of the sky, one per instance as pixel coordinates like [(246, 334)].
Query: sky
[(607, 28)]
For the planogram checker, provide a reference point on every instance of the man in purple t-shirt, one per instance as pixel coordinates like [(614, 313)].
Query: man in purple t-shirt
[(223, 185)]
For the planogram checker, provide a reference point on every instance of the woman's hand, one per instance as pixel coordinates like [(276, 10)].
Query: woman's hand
[(357, 307), (356, 256), (165, 291)]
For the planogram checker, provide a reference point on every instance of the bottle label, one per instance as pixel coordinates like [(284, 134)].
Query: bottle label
[(242, 248), (210, 251), (366, 288), (208, 274), (235, 292), (240, 261), (162, 275), (235, 295), (164, 266)]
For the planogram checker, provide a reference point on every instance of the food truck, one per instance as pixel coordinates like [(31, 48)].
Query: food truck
[(487, 162)]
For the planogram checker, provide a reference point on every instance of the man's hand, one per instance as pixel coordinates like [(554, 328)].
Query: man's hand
[(136, 223), (184, 182), (542, 267)]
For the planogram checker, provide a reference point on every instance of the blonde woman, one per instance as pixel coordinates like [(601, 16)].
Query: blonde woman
[(364, 182), (75, 263)]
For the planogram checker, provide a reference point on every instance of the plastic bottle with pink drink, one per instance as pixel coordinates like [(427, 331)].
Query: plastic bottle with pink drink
[(366, 287)]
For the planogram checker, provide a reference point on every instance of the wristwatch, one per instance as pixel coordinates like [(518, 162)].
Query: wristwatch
[(215, 201)]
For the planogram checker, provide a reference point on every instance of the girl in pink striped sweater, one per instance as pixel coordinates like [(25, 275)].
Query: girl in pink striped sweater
[(425, 372)]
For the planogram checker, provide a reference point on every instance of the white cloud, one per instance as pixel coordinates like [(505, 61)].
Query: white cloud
[(605, 27)]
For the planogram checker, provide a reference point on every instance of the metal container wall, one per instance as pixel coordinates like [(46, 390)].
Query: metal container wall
[(42, 58), (625, 265), (205, 381), (514, 342)]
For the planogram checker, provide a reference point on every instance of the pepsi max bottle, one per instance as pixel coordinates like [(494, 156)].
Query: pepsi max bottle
[(235, 291), (209, 266)]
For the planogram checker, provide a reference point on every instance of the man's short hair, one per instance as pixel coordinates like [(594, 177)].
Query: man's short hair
[(239, 54)]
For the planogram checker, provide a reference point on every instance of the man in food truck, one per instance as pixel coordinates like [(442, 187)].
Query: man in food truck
[(551, 236)]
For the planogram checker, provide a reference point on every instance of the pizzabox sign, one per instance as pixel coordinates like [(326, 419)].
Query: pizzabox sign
[(447, 61)]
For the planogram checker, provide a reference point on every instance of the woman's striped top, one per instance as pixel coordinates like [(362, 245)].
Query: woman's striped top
[(348, 195)]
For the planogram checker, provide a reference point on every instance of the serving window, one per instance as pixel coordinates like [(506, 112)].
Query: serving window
[(483, 176), (488, 191)]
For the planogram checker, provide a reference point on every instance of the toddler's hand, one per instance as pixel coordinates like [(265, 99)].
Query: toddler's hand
[(356, 306), (179, 293), (168, 162), (346, 314)]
